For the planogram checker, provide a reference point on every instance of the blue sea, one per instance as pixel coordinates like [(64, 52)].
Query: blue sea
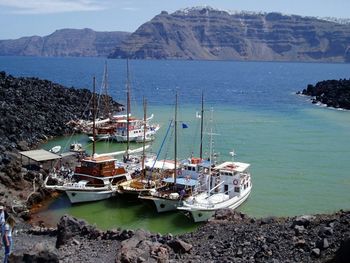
[(299, 152)]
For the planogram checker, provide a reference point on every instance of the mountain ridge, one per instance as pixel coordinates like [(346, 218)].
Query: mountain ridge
[(213, 34), (64, 42)]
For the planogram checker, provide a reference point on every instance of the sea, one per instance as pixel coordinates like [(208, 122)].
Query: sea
[(299, 152)]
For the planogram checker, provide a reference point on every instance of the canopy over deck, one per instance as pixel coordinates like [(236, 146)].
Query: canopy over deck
[(40, 155)]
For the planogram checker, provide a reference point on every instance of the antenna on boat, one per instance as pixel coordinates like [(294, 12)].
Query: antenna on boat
[(210, 148), (175, 139), (201, 146), (127, 108), (93, 117), (144, 136), (105, 91)]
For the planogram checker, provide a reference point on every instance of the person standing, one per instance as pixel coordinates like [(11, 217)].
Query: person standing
[(7, 237)]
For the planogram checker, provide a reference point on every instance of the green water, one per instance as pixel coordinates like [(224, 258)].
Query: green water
[(299, 164)]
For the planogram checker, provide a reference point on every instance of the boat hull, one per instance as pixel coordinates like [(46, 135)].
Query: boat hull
[(204, 214), (76, 196), (163, 205)]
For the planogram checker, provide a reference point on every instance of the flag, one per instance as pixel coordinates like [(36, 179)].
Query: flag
[(184, 126)]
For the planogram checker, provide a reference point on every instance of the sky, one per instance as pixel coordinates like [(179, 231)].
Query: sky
[(20, 18)]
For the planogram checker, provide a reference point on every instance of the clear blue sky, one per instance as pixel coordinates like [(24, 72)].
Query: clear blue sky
[(42, 17)]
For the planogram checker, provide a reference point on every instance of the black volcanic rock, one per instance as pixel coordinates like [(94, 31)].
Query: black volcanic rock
[(207, 33), (32, 110), (333, 93), (64, 43)]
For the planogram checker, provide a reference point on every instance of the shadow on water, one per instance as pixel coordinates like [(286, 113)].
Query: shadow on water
[(117, 212)]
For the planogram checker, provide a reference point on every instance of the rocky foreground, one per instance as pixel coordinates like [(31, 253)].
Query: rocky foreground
[(231, 237), (33, 110), (333, 93)]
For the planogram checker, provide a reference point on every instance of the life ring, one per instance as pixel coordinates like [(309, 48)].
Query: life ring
[(235, 182), (179, 172), (94, 172)]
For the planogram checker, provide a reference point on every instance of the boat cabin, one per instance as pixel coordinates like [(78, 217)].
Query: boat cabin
[(231, 178), (99, 167)]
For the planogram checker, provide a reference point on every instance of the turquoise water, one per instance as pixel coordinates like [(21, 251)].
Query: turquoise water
[(299, 152)]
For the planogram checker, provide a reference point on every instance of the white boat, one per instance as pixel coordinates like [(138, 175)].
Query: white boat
[(230, 186), (56, 149), (76, 147)]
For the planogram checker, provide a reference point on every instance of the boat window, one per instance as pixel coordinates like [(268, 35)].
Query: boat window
[(237, 189)]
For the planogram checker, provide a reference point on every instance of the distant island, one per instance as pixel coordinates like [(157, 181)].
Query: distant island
[(64, 43), (333, 93), (202, 33)]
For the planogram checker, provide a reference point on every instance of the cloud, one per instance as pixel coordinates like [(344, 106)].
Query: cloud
[(127, 8), (52, 6)]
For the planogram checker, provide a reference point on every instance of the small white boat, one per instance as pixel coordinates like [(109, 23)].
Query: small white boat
[(56, 149), (230, 186), (76, 147)]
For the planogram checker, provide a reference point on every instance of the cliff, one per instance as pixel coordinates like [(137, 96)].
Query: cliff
[(207, 33), (64, 43)]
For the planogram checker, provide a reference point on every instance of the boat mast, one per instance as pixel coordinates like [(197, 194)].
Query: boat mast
[(105, 91), (144, 137), (202, 117), (93, 117), (175, 139), (127, 108), (210, 149)]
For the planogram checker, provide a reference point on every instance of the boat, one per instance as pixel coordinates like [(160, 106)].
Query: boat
[(56, 149), (76, 147), (94, 179), (230, 186), (123, 127), (131, 129), (183, 182), (147, 179)]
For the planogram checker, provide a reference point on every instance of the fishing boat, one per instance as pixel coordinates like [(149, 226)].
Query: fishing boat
[(122, 127), (184, 181), (230, 186), (94, 179), (147, 179)]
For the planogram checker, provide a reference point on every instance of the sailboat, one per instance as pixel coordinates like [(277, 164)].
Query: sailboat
[(94, 178), (183, 181), (147, 179), (229, 185), (115, 127), (132, 129)]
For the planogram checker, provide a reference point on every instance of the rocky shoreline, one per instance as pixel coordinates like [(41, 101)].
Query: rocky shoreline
[(33, 110), (332, 93), (230, 237)]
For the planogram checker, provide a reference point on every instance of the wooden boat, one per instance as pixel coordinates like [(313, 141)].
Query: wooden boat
[(94, 179)]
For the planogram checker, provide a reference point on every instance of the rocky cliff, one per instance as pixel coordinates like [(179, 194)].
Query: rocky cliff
[(207, 33), (333, 93), (64, 43)]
